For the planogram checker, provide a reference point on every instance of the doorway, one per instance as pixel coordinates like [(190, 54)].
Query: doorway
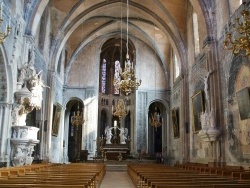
[(155, 129), (75, 132)]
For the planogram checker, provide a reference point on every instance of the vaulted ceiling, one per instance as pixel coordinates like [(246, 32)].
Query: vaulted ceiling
[(160, 24)]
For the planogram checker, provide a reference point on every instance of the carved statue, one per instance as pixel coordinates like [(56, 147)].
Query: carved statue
[(207, 119), (21, 75), (18, 156), (203, 120), (36, 88), (206, 86), (123, 135), (108, 133)]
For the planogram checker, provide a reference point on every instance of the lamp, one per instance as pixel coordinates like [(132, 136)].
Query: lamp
[(120, 109), (128, 81), (3, 35), (238, 41), (77, 118), (155, 119)]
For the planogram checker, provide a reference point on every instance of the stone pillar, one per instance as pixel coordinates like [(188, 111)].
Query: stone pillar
[(49, 115), (141, 133), (5, 117)]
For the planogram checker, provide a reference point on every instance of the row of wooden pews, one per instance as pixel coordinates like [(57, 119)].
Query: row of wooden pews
[(18, 171), (75, 175), (162, 176), (236, 172)]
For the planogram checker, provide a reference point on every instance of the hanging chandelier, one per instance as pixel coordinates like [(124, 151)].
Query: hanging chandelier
[(128, 82), (3, 35), (77, 118), (120, 109), (238, 34), (156, 119)]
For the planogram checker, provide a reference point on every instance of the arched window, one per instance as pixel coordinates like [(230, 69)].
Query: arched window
[(104, 76), (176, 67), (117, 77), (112, 61), (196, 34)]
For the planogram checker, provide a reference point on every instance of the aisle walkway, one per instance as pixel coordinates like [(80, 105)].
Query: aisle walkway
[(117, 180)]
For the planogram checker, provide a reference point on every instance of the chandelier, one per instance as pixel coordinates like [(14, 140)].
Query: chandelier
[(120, 109), (238, 41), (128, 81), (77, 118), (155, 119), (3, 35)]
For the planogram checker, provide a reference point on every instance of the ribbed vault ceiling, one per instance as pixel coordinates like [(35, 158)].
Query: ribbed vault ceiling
[(160, 24)]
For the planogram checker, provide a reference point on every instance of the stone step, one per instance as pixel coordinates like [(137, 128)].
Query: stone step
[(116, 167)]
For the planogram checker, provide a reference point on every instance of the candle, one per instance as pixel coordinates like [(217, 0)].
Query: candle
[(115, 123)]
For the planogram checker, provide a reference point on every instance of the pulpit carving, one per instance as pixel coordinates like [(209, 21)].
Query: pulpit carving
[(28, 96)]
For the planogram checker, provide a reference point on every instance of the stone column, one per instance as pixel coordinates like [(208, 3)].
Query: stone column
[(49, 115), (5, 118)]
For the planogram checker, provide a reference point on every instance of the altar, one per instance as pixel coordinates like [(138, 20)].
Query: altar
[(116, 143), (112, 152)]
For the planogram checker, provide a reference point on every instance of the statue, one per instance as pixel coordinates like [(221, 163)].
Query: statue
[(18, 156), (21, 75), (205, 79), (203, 120), (36, 88), (123, 135), (108, 133), (207, 119)]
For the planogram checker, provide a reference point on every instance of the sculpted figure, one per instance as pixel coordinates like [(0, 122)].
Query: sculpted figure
[(108, 133), (123, 135)]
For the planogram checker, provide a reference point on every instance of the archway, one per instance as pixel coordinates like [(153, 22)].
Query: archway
[(156, 126), (74, 132)]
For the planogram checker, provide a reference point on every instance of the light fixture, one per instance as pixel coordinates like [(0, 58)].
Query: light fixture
[(120, 109), (128, 81), (238, 34), (3, 35), (77, 118), (155, 119)]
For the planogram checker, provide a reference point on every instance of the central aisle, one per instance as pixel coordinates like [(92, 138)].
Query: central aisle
[(117, 180)]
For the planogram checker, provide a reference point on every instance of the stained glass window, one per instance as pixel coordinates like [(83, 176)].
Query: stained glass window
[(117, 77), (104, 75)]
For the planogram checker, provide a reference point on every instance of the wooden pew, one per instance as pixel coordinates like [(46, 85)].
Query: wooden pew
[(164, 176), (80, 175), (18, 171)]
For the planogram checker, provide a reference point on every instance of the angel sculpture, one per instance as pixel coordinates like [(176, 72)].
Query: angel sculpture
[(123, 135), (108, 133)]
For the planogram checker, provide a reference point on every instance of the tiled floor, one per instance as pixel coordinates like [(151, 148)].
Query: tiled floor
[(117, 180)]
